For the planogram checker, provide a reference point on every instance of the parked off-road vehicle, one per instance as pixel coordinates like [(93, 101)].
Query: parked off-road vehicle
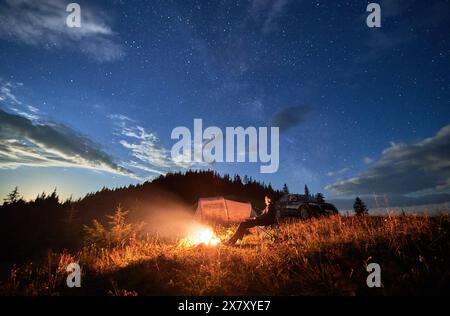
[(298, 205)]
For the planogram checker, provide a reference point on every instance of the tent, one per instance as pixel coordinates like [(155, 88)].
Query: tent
[(219, 210)]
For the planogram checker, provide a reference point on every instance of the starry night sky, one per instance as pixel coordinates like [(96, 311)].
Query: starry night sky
[(360, 109)]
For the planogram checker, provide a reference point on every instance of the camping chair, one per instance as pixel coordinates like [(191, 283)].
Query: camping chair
[(266, 230)]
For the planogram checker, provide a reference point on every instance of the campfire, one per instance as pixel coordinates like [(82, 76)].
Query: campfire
[(200, 235)]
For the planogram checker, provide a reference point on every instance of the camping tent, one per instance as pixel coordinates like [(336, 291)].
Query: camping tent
[(219, 210)]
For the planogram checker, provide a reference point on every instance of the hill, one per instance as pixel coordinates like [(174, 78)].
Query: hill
[(30, 228)]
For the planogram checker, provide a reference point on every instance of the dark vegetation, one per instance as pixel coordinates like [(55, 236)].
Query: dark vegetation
[(359, 207)]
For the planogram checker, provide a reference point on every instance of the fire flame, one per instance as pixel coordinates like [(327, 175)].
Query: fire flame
[(200, 235)]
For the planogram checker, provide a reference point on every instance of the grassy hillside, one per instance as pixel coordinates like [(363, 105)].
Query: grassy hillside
[(326, 256)]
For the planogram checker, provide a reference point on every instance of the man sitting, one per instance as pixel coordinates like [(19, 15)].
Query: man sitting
[(268, 217)]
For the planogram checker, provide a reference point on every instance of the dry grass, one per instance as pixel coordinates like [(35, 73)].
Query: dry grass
[(326, 256)]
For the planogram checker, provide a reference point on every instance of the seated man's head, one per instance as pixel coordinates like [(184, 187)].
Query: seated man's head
[(268, 199)]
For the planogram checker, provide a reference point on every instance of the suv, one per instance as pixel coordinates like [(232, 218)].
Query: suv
[(298, 205)]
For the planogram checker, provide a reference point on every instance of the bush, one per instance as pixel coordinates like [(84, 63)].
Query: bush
[(119, 232)]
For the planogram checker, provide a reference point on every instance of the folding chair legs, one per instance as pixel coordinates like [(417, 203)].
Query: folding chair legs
[(266, 232)]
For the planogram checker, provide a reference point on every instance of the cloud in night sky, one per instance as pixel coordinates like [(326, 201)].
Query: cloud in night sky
[(7, 96), (367, 160), (43, 24), (338, 172), (6, 93), (26, 139), (290, 117), (47, 144), (267, 12), (147, 153), (144, 146), (404, 169)]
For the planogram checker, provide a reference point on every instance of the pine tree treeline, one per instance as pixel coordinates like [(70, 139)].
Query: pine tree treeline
[(26, 228)]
